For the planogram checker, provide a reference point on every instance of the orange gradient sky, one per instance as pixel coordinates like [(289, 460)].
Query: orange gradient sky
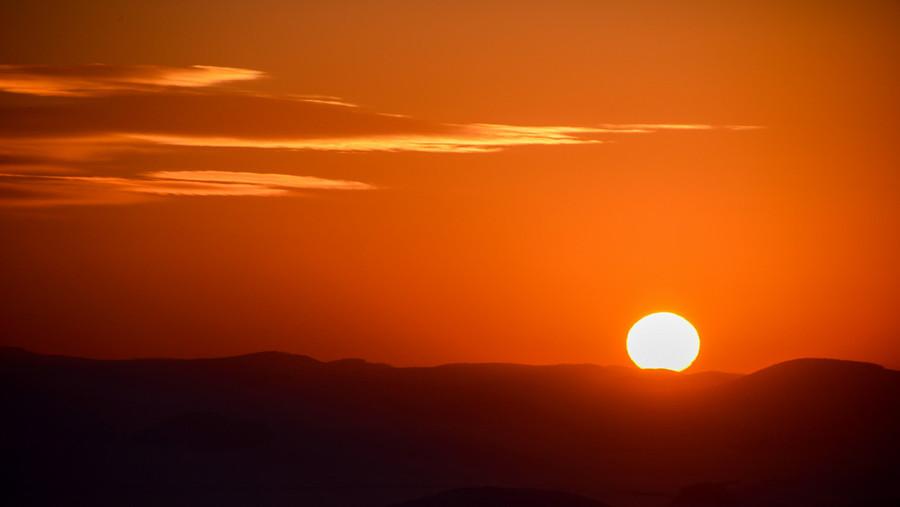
[(429, 182)]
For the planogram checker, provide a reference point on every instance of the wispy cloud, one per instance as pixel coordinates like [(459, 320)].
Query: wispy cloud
[(323, 99), (268, 180), (229, 120), (37, 191), (100, 79), (467, 139), (451, 138), (657, 127), (52, 149), (57, 190)]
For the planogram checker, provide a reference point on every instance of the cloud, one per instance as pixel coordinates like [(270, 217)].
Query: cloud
[(450, 138), (323, 99), (268, 180), (467, 139), (219, 114), (237, 120), (31, 190), (656, 127), (100, 79), (86, 118), (37, 191)]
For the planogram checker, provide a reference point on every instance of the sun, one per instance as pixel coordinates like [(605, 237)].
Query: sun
[(663, 341)]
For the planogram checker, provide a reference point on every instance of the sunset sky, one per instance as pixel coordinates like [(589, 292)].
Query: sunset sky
[(429, 182)]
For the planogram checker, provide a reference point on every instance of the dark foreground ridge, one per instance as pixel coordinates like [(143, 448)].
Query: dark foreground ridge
[(278, 429), (507, 497)]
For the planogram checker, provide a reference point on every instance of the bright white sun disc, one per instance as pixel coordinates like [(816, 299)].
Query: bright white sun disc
[(663, 341)]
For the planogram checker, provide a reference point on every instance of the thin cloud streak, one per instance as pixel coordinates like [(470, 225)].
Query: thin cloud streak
[(328, 100), (33, 190), (656, 127), (473, 138), (393, 143), (273, 180), (458, 138), (62, 150), (100, 79), (52, 149)]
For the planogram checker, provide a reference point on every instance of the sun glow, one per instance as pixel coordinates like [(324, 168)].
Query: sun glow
[(663, 341)]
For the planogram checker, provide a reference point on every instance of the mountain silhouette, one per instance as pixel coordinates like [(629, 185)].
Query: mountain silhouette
[(279, 429), (204, 432), (506, 497)]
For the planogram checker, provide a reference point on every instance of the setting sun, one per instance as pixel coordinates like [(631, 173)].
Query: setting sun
[(663, 341)]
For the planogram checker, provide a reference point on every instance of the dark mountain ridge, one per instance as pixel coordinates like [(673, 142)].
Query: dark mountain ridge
[(278, 429), (507, 497)]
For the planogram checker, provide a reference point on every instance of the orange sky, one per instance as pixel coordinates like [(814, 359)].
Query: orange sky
[(428, 182)]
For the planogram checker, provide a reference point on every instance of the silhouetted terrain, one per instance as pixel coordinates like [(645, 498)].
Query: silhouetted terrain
[(507, 497), (277, 429)]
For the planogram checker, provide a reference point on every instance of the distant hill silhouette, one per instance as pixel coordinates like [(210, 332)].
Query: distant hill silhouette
[(278, 429), (204, 432), (505, 497)]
